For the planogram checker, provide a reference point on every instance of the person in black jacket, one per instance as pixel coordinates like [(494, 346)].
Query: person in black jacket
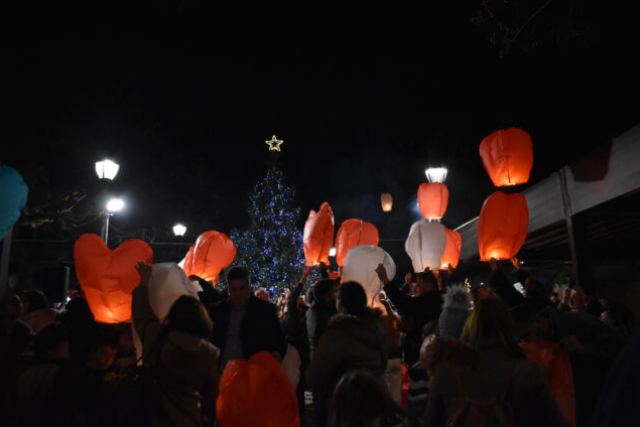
[(323, 307), (425, 305), (245, 325)]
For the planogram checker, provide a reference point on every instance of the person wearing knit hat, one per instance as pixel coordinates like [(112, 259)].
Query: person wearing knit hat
[(455, 310)]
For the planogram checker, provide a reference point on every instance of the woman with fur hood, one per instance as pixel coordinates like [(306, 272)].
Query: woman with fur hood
[(353, 340)]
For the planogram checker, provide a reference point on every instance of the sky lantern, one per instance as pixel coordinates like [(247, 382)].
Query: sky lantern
[(386, 201), (425, 245), (453, 245), (433, 196), (360, 265), (502, 226), (107, 277), (213, 252), (507, 156), (433, 199), (318, 235), (354, 232), (256, 392)]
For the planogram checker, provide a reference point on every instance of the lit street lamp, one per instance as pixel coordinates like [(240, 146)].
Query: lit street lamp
[(179, 230), (436, 174), (113, 206), (107, 169)]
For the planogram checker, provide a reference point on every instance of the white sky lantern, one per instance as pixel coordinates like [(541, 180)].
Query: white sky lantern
[(360, 265), (115, 205), (386, 200), (436, 174), (179, 229), (425, 245), (107, 169), (332, 252)]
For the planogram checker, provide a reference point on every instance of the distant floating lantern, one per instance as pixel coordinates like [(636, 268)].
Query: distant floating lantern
[(502, 226), (507, 156), (386, 200)]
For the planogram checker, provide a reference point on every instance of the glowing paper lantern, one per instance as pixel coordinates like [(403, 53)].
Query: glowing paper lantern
[(212, 253), (168, 283), (433, 198), (360, 266), (256, 392), (507, 155), (503, 225), (354, 232), (107, 276), (318, 235), (425, 245), (386, 200), (451, 255)]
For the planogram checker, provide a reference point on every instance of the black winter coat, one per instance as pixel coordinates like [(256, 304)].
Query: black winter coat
[(348, 343), (260, 330)]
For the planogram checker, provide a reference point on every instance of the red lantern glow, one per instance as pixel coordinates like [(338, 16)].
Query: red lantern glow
[(433, 198), (354, 232), (451, 255), (212, 253), (503, 225), (108, 277), (318, 235), (507, 155)]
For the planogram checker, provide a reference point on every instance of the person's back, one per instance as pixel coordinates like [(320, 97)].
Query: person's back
[(359, 400), (495, 385), (353, 340), (513, 386), (321, 310), (183, 362)]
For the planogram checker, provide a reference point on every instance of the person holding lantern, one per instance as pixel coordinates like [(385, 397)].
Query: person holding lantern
[(417, 310)]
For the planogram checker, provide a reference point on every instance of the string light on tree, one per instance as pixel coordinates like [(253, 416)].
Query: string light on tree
[(274, 143)]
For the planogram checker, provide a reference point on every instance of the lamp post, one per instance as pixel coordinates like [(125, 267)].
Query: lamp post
[(107, 169), (436, 174), (113, 205), (179, 230)]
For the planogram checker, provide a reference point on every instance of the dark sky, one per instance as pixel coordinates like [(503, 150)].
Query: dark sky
[(185, 108)]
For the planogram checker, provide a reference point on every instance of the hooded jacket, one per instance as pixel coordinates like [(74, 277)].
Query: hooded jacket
[(349, 343), (188, 365)]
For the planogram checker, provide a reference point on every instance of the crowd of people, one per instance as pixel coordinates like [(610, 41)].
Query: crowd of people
[(427, 352)]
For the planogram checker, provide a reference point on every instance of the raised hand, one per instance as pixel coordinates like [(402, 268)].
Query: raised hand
[(145, 273), (382, 274)]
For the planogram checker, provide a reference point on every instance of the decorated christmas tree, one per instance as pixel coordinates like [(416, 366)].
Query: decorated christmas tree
[(271, 248)]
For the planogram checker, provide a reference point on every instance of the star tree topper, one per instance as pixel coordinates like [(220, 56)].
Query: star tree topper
[(274, 143)]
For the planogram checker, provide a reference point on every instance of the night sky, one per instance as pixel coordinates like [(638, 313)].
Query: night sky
[(185, 106)]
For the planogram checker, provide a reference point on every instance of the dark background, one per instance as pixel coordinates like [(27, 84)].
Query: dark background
[(184, 99)]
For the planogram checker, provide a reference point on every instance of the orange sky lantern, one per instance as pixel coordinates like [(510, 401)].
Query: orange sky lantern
[(507, 155), (213, 252), (318, 235), (354, 232), (502, 226), (108, 277)]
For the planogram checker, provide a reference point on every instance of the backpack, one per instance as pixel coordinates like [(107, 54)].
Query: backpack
[(489, 412)]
